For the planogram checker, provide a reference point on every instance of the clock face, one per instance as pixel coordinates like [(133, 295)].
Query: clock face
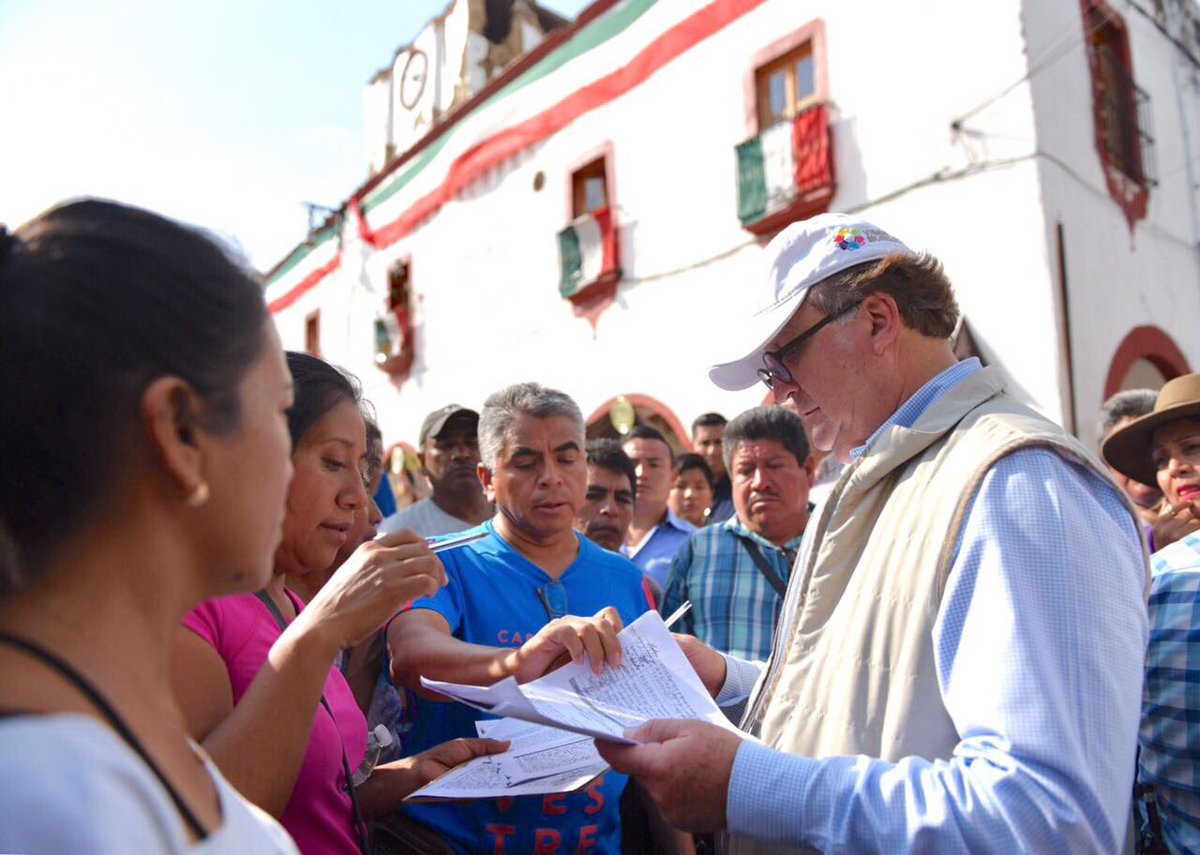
[(412, 80)]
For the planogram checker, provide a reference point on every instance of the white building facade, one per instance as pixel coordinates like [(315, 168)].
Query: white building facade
[(582, 216)]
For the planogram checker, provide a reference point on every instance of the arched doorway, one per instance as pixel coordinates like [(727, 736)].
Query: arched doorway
[(645, 411), (1146, 358)]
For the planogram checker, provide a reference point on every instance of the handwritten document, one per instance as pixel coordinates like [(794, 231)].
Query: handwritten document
[(654, 681), (540, 760)]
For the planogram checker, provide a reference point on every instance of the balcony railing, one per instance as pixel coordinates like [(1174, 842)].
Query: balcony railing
[(588, 254), (786, 172)]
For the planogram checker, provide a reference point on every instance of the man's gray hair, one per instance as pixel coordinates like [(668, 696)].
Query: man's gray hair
[(769, 422), (1131, 403), (501, 409)]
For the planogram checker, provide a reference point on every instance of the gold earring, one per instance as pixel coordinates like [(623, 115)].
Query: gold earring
[(198, 496)]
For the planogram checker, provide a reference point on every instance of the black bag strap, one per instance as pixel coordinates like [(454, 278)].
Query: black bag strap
[(769, 572), (1149, 838), (88, 689), (360, 826)]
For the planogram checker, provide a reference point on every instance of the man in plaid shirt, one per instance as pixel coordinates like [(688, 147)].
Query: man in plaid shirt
[(735, 573)]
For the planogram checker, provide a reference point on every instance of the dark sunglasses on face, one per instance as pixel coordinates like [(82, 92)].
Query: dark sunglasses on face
[(774, 367)]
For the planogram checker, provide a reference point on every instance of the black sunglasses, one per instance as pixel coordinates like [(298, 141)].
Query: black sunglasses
[(554, 600), (774, 367)]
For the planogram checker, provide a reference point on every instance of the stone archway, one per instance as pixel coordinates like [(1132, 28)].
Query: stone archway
[(1144, 344)]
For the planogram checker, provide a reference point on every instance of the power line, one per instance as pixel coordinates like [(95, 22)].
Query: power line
[(1053, 54), (942, 176)]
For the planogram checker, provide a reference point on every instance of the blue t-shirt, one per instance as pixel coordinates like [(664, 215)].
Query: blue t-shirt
[(492, 598)]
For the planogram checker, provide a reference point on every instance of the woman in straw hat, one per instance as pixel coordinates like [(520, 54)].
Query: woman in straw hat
[(1163, 447), (1155, 449)]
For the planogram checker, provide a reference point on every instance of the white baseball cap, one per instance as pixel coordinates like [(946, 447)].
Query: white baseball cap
[(800, 256)]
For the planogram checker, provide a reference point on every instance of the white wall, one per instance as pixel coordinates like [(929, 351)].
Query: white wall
[(1118, 279), (485, 267)]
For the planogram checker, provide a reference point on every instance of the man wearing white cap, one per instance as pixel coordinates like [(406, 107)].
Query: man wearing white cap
[(957, 664)]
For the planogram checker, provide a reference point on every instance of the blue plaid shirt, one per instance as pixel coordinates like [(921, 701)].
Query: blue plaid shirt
[(734, 607), (1181, 554), (1039, 644), (1170, 739)]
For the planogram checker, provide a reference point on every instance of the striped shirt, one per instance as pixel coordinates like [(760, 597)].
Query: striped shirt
[(1170, 738), (734, 607)]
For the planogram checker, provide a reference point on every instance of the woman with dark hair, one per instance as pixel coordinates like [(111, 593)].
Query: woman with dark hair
[(305, 585), (693, 489), (254, 673), (144, 448)]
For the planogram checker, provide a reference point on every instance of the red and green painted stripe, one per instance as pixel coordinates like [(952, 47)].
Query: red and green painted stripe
[(473, 163)]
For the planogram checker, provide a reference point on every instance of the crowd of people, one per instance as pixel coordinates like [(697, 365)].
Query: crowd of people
[(924, 604)]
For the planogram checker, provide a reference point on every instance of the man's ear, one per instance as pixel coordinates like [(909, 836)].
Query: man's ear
[(421, 460), (810, 469), (485, 480), (884, 315), (171, 412)]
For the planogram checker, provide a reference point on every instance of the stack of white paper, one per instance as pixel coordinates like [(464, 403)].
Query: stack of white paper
[(541, 760), (556, 715), (655, 681)]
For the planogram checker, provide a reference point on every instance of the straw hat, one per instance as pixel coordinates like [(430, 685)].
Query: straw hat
[(1128, 449)]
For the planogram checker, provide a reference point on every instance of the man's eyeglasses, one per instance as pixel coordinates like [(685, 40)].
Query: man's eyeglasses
[(554, 600), (774, 361)]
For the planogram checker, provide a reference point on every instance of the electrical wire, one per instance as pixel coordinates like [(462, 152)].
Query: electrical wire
[(942, 176), (1053, 54)]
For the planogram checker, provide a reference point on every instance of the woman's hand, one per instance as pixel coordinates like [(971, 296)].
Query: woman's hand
[(391, 783), (378, 580), (440, 759), (1174, 522), (568, 639)]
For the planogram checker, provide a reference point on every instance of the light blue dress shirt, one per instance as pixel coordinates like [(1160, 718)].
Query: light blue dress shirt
[(654, 554), (1039, 644)]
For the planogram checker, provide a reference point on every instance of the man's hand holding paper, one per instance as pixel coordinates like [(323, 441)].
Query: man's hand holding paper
[(684, 766), (568, 639), (655, 680)]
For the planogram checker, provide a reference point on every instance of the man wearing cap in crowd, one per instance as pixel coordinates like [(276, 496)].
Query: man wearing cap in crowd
[(449, 453), (958, 663)]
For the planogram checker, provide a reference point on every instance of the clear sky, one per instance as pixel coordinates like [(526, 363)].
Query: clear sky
[(225, 113)]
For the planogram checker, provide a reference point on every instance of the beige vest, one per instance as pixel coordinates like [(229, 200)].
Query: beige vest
[(853, 669)]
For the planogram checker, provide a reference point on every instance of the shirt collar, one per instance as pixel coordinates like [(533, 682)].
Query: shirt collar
[(734, 525), (920, 400), (676, 522)]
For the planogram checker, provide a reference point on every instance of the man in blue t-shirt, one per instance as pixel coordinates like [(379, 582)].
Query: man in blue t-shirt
[(511, 607)]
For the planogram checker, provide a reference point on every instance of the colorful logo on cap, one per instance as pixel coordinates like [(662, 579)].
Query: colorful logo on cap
[(849, 239)]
